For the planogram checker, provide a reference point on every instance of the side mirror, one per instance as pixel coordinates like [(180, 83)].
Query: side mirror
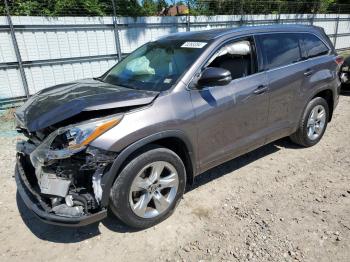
[(214, 76)]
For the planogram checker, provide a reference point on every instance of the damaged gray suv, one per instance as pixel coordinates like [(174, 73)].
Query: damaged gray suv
[(131, 140)]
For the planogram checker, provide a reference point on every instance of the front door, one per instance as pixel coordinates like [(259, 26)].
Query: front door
[(231, 119)]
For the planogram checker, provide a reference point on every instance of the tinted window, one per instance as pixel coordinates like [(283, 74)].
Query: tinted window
[(313, 45), (279, 49)]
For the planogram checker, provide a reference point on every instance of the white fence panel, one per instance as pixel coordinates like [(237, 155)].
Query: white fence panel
[(141, 30), (40, 77), (58, 43), (10, 84), (343, 42), (344, 26), (7, 53)]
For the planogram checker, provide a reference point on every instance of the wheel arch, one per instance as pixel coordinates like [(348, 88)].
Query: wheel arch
[(327, 94), (174, 140)]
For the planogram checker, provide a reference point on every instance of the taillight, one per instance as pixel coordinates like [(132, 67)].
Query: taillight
[(339, 60)]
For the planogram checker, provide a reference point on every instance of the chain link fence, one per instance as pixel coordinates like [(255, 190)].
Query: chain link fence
[(43, 43)]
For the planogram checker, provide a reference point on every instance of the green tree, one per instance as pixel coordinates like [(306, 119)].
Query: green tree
[(76, 7), (161, 4), (59, 7), (149, 7), (152, 7), (221, 7), (128, 8)]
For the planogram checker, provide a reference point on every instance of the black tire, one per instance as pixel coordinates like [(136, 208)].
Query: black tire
[(120, 205), (300, 137), (345, 88)]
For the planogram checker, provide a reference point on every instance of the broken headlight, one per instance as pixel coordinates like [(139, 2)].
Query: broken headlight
[(75, 137), (80, 136)]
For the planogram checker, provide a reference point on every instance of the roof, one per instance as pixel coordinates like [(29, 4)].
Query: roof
[(212, 34)]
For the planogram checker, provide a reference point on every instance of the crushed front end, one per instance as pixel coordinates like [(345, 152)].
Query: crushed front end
[(58, 174)]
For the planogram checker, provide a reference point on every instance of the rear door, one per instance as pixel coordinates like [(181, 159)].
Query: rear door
[(283, 64), (321, 66), (320, 69)]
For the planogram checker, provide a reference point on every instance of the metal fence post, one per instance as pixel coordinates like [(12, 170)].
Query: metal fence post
[(188, 18), (241, 12), (116, 31), (279, 13), (336, 29), (313, 13), (188, 23), (17, 52)]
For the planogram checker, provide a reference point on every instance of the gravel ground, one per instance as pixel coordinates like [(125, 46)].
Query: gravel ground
[(277, 203)]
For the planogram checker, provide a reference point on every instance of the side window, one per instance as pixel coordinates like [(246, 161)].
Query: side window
[(237, 57), (279, 49), (313, 46)]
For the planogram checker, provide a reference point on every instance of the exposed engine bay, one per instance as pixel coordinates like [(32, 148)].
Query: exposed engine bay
[(67, 179)]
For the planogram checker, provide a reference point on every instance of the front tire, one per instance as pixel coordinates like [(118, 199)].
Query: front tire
[(313, 123), (149, 187)]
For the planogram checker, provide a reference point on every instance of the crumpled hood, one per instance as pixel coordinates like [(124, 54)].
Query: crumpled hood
[(60, 102)]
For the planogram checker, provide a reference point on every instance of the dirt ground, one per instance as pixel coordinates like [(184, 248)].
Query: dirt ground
[(278, 203)]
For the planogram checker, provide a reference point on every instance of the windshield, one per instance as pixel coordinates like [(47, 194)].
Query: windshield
[(155, 66)]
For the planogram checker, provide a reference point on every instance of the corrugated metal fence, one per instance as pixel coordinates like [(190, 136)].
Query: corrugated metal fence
[(56, 50)]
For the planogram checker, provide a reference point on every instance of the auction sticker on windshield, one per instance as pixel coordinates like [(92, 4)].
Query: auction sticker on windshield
[(193, 44)]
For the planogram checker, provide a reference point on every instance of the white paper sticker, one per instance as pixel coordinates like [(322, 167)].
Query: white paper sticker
[(193, 44)]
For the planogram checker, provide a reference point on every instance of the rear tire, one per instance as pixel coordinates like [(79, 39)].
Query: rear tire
[(128, 199), (313, 123)]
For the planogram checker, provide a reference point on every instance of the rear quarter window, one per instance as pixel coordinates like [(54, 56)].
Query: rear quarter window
[(313, 46), (279, 49)]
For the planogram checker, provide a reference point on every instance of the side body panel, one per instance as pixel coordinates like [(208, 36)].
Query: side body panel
[(324, 76), (284, 85), (292, 86), (230, 119)]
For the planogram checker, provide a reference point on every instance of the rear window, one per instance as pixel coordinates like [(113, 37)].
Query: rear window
[(313, 46), (279, 49)]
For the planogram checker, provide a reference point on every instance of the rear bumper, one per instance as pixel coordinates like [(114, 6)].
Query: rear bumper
[(32, 201)]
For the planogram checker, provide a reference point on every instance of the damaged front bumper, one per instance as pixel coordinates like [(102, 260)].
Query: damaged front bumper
[(64, 190), (34, 202), (59, 174)]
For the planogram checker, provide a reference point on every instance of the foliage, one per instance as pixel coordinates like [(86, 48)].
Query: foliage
[(211, 7), (58, 7), (163, 4), (153, 7), (149, 7)]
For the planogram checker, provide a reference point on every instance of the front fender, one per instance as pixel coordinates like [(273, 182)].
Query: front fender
[(109, 177)]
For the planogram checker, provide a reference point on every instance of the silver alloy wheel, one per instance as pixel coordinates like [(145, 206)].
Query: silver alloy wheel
[(316, 122), (154, 189)]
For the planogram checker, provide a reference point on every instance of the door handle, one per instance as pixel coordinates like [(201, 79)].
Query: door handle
[(260, 89), (308, 72)]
